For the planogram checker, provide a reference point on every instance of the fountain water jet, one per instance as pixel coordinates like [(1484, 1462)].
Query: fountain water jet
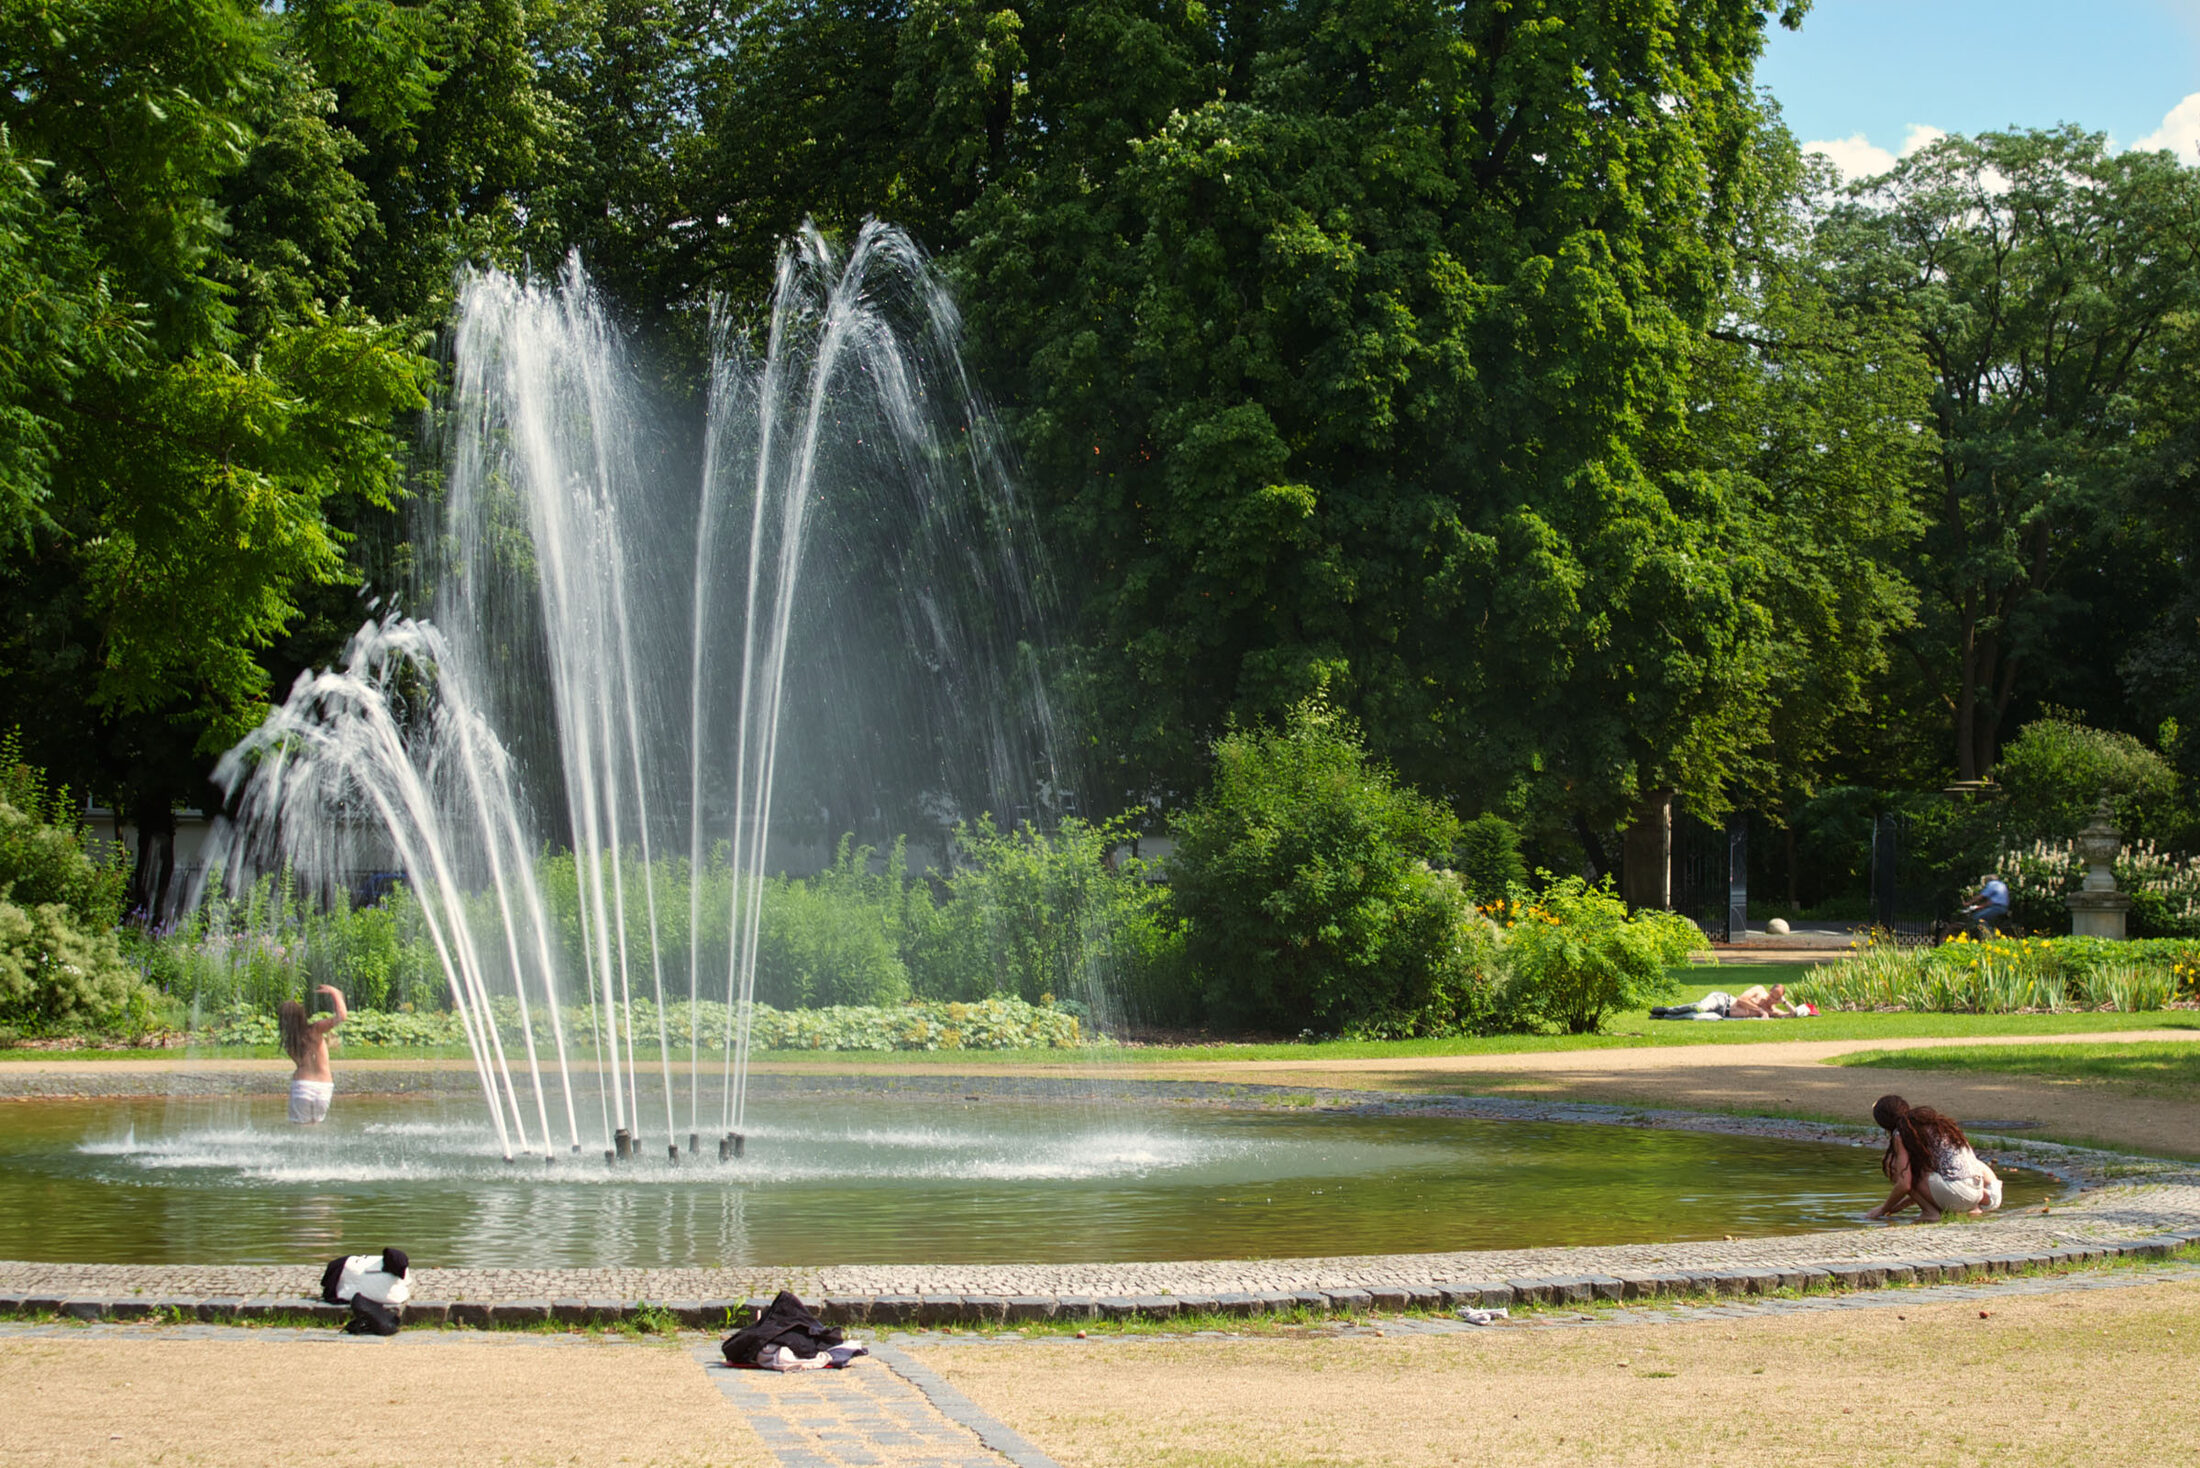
[(848, 483)]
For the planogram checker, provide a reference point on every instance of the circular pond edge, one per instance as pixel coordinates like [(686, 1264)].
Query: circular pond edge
[(2115, 1205)]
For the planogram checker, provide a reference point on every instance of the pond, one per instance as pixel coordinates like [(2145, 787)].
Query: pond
[(860, 1178)]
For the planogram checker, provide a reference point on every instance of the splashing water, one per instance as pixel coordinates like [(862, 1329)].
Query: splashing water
[(621, 655)]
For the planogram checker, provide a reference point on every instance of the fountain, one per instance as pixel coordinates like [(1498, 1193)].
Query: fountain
[(634, 659), (849, 564)]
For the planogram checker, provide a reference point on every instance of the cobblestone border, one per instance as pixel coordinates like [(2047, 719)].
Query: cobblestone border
[(2157, 1217), (939, 1309)]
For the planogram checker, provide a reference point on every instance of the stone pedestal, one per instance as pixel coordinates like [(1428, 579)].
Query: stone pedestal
[(2097, 914), (2097, 909)]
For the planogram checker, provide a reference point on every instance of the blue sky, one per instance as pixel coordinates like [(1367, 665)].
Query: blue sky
[(1867, 79)]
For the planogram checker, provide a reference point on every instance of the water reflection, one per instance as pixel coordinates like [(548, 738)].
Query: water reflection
[(841, 1179)]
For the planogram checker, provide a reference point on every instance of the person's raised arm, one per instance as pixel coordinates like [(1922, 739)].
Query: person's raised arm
[(323, 1026)]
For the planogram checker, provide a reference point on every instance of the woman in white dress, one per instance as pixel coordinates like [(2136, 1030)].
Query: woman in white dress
[(1931, 1164)]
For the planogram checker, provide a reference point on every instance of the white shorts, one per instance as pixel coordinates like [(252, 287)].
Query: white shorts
[(309, 1100), (1952, 1196)]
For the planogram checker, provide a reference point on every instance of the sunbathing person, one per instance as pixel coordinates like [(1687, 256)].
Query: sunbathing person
[(1758, 1002), (1931, 1164), (1754, 1002)]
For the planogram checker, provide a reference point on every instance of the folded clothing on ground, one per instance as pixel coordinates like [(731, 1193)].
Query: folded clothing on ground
[(786, 1323)]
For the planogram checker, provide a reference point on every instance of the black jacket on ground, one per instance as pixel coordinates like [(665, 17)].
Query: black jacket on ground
[(785, 1322)]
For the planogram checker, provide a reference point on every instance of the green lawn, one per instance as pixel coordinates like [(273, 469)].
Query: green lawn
[(2148, 1068), (1629, 1029)]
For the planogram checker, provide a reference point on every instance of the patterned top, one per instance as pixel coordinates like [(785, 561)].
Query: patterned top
[(1958, 1164)]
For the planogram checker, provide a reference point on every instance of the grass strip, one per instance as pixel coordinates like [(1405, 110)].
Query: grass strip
[(2159, 1069)]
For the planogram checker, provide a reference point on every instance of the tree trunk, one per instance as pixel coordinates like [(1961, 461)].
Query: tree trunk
[(1594, 862), (155, 819), (1646, 855)]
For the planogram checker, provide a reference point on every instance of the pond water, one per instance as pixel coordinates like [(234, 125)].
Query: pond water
[(869, 1179)]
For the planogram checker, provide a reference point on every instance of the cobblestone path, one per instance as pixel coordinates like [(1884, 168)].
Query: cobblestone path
[(884, 1410)]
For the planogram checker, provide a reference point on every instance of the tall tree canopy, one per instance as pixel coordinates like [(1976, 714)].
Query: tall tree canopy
[(191, 393), (1349, 344), (2052, 286)]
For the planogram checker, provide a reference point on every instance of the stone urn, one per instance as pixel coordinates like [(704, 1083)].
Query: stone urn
[(2097, 909)]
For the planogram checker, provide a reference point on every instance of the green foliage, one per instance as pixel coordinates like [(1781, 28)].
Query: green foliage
[(61, 966), (2050, 282), (992, 1024), (821, 946), (1304, 875), (2056, 769), (1487, 858), (272, 942), (1335, 373), (1810, 406), (2164, 890), (1028, 915), (1575, 954), (57, 974), (2008, 975), (1035, 913), (45, 847)]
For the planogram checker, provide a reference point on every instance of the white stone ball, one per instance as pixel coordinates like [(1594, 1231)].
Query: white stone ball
[(1778, 927)]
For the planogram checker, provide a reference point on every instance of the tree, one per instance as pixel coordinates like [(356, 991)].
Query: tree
[(1337, 341), (191, 437), (2052, 286), (1813, 409)]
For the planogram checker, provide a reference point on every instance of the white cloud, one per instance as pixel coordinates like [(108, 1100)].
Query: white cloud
[(1857, 156), (2179, 132), (1920, 135)]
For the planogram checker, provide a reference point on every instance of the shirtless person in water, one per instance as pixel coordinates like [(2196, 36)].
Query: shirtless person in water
[(305, 1041)]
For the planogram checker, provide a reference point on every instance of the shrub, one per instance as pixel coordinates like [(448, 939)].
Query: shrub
[(57, 975), (1303, 872), (45, 848), (1487, 858), (61, 966), (819, 944), (2054, 772), (1575, 954), (1035, 913)]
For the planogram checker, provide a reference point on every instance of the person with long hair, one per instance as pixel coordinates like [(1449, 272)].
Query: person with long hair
[(305, 1041), (1930, 1163)]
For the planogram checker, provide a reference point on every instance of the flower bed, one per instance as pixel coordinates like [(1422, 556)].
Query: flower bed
[(2009, 975), (991, 1024)]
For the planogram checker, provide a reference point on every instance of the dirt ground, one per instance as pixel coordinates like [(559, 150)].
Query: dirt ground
[(2083, 1378), (243, 1402)]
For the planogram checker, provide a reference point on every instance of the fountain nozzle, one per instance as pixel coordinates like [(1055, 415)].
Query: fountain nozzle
[(740, 1143), (622, 1143), (609, 1156), (674, 1152), (694, 1144)]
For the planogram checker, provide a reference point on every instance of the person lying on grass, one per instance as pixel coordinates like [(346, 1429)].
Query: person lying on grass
[(1758, 1002), (1931, 1164), (1754, 1002)]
